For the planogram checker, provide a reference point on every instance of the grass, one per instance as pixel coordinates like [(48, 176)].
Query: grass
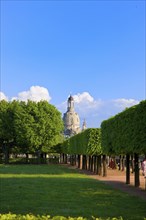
[(57, 190)]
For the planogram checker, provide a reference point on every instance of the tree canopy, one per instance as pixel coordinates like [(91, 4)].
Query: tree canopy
[(125, 132), (87, 142), (33, 126)]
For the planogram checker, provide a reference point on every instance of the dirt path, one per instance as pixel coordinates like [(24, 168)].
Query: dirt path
[(117, 179)]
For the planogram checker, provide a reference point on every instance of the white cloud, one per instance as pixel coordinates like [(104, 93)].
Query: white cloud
[(95, 111), (35, 93), (86, 105), (125, 103), (3, 96), (84, 97)]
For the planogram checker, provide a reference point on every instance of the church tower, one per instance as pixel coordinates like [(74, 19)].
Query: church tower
[(70, 104), (84, 127), (71, 119)]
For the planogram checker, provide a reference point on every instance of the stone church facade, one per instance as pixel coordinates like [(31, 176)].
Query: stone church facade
[(71, 119)]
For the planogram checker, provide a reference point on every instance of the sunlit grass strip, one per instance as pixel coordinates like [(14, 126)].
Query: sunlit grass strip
[(10, 216), (81, 176)]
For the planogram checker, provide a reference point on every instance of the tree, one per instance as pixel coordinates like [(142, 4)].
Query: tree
[(31, 127), (38, 126), (7, 133), (23, 125)]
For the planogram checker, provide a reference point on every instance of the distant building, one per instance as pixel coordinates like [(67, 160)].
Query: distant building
[(84, 125), (71, 119)]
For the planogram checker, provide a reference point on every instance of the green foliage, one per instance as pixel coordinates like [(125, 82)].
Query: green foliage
[(87, 142), (94, 141), (44, 127), (64, 147), (7, 134), (23, 122), (125, 132), (7, 131), (31, 127), (11, 216)]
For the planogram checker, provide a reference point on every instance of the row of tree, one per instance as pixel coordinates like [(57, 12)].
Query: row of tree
[(85, 151), (123, 134), (32, 127)]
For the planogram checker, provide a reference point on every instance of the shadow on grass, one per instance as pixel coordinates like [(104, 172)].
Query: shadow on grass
[(130, 189), (67, 196)]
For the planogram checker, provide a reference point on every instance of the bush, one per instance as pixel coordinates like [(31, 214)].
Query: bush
[(11, 216)]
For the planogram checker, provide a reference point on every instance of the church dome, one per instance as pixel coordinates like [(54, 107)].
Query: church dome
[(71, 119)]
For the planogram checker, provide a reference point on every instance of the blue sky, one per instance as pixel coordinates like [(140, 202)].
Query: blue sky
[(94, 50)]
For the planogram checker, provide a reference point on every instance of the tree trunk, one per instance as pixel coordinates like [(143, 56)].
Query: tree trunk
[(78, 161), (137, 181), (94, 164), (81, 161), (99, 164), (84, 162), (127, 169), (132, 164), (123, 163), (6, 153), (27, 158), (65, 158), (120, 162), (104, 166), (91, 164), (60, 157), (71, 160), (42, 158), (38, 157), (87, 162)]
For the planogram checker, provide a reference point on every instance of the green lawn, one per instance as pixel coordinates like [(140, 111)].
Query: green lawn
[(57, 190)]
